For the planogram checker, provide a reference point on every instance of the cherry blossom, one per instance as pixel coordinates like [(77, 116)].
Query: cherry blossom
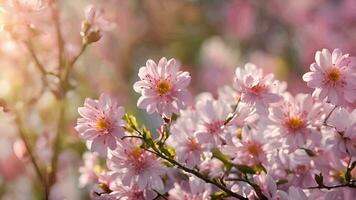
[(101, 123), (163, 87)]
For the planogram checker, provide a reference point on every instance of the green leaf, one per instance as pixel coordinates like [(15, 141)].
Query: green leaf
[(222, 157), (245, 169), (218, 195), (259, 168), (167, 151), (131, 123)]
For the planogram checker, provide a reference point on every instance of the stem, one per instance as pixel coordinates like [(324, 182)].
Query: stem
[(35, 58), (82, 49), (71, 63), (56, 143), (199, 175), (40, 67), (159, 195), (332, 187), (57, 26), (41, 177), (131, 136), (328, 116), (253, 185)]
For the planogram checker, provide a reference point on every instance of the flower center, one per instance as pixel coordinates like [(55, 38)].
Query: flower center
[(301, 169), (102, 124), (136, 153), (334, 74), (163, 87), (214, 127), (254, 149), (257, 89), (193, 144), (295, 122)]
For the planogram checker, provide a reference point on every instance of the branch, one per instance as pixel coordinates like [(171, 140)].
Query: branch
[(332, 187), (56, 143), (38, 172), (57, 26), (328, 116), (197, 174)]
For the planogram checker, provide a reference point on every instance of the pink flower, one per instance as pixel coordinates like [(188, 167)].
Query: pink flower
[(211, 166), (101, 124), (296, 167), (212, 116), (268, 186), (245, 115), (333, 76), (294, 193), (250, 150), (131, 192), (197, 190), (163, 87), (344, 138), (294, 120), (256, 90), (136, 166), (183, 140)]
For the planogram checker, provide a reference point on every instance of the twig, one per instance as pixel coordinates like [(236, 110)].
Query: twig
[(332, 187), (197, 174), (159, 195), (57, 26), (131, 136), (56, 143), (328, 116), (40, 66), (32, 157)]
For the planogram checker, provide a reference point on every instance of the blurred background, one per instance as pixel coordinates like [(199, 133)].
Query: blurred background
[(210, 38)]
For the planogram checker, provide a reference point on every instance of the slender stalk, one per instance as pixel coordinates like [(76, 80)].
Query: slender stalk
[(57, 26), (38, 172), (328, 116), (40, 67), (199, 175), (56, 143), (159, 195), (334, 186), (82, 49), (72, 63)]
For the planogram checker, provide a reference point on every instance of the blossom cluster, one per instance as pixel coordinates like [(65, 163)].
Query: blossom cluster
[(246, 137), (255, 140)]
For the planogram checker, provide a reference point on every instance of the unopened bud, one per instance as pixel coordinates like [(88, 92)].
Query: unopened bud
[(91, 37)]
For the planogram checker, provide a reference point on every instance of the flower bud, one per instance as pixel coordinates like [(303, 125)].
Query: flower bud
[(92, 36)]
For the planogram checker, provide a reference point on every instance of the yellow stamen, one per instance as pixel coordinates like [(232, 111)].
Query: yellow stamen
[(102, 124), (163, 87), (136, 153), (253, 149), (295, 122), (334, 74)]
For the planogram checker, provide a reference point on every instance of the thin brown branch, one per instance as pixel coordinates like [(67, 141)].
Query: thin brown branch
[(57, 25), (56, 142), (328, 116), (38, 172), (198, 174), (333, 187)]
